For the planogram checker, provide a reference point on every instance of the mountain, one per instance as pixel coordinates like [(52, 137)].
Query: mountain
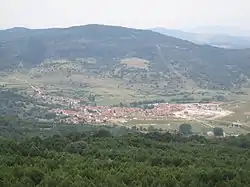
[(168, 58), (221, 30), (177, 34), (218, 40)]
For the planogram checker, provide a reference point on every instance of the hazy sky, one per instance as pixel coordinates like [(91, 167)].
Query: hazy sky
[(131, 13)]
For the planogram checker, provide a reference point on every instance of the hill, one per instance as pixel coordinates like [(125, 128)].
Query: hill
[(168, 59), (219, 40)]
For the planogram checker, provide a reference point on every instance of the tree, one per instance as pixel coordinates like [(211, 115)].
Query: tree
[(76, 147), (102, 133), (185, 129), (91, 98), (134, 129), (218, 131), (35, 174), (121, 104), (151, 128), (34, 151)]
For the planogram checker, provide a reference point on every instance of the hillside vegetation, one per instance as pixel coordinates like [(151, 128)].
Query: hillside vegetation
[(180, 61), (100, 157)]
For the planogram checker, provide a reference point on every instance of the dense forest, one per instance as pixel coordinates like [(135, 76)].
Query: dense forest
[(103, 157)]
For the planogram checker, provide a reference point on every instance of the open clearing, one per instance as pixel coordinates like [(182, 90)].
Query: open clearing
[(241, 112), (174, 124), (135, 63)]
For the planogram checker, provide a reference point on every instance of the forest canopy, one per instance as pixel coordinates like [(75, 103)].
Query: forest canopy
[(101, 158)]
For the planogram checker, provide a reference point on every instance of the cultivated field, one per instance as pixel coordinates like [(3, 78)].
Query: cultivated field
[(136, 63)]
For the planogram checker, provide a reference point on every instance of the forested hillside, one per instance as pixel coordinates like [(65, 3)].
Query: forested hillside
[(101, 158), (207, 66)]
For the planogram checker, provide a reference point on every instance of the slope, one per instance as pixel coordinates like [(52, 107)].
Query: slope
[(208, 67)]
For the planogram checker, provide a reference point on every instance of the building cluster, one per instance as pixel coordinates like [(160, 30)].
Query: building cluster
[(102, 114), (77, 113), (214, 106)]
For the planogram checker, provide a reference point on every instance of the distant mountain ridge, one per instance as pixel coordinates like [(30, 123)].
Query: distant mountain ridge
[(168, 57), (218, 40), (221, 30)]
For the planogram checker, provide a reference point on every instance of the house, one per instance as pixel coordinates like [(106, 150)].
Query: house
[(235, 125), (210, 133)]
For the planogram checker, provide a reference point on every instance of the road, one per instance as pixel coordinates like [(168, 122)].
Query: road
[(33, 87)]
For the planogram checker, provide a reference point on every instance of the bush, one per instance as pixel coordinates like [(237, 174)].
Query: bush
[(102, 133), (218, 131), (185, 129)]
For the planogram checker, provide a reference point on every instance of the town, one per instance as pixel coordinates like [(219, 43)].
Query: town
[(102, 114), (74, 112)]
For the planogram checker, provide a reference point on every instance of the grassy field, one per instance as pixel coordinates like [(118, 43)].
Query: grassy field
[(166, 124), (70, 78), (174, 124), (241, 111), (110, 90)]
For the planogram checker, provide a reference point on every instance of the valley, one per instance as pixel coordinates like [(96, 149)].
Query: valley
[(72, 95), (124, 93), (133, 78)]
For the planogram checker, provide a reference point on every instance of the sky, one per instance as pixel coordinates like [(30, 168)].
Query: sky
[(176, 14)]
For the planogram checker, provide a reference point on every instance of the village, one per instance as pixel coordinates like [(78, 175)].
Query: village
[(102, 114), (74, 112)]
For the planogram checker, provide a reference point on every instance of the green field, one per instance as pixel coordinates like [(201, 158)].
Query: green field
[(241, 112), (174, 124), (108, 90)]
